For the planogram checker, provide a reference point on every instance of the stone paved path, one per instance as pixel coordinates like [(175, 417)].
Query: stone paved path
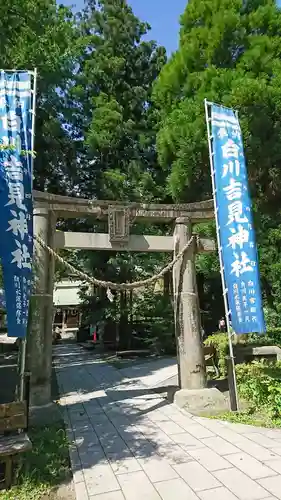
[(128, 443)]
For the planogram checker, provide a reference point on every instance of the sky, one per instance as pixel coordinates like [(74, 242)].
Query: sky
[(162, 15)]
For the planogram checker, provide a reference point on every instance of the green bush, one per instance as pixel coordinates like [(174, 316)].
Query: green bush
[(159, 337), (259, 383), (273, 337), (220, 342)]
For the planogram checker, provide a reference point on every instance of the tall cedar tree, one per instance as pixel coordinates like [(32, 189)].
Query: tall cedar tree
[(114, 117), (229, 52)]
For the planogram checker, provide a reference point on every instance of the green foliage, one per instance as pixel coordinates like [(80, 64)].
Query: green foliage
[(113, 109), (156, 311), (270, 338), (229, 52), (260, 384), (271, 318), (220, 342), (42, 34), (44, 467), (258, 418), (269, 235), (142, 307)]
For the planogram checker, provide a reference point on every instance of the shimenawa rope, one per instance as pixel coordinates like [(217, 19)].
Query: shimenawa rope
[(109, 285)]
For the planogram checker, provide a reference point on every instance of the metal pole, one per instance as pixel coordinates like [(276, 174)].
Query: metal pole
[(22, 369), (23, 342), (209, 103), (17, 71), (232, 384), (33, 120)]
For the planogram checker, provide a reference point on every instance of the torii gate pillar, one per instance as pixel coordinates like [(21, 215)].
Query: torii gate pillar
[(39, 350), (192, 372)]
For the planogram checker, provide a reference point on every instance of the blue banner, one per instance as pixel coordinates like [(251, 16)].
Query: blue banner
[(235, 224), (16, 224)]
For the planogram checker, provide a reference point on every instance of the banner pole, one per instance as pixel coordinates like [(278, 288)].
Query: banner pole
[(233, 394), (22, 369), (24, 341), (33, 120)]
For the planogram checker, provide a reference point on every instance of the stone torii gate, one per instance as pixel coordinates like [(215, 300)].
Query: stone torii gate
[(48, 208)]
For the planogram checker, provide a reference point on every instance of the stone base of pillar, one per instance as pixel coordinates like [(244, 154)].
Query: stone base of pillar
[(201, 401)]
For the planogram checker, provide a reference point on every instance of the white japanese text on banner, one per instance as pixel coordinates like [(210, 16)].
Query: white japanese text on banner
[(16, 225), (235, 224)]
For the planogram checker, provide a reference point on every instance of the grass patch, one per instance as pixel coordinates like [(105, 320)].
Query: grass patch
[(258, 419), (44, 467)]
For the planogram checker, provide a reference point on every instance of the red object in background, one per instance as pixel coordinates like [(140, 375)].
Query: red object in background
[(94, 336)]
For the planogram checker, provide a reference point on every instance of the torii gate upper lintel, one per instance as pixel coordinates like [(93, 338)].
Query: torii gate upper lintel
[(73, 207), (48, 207)]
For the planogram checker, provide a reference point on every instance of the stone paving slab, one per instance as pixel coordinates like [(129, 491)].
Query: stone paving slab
[(128, 443), (175, 488), (274, 464), (220, 493), (250, 466), (240, 484), (116, 495), (272, 484)]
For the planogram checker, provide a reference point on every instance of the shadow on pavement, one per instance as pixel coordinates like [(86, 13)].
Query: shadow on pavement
[(110, 418)]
